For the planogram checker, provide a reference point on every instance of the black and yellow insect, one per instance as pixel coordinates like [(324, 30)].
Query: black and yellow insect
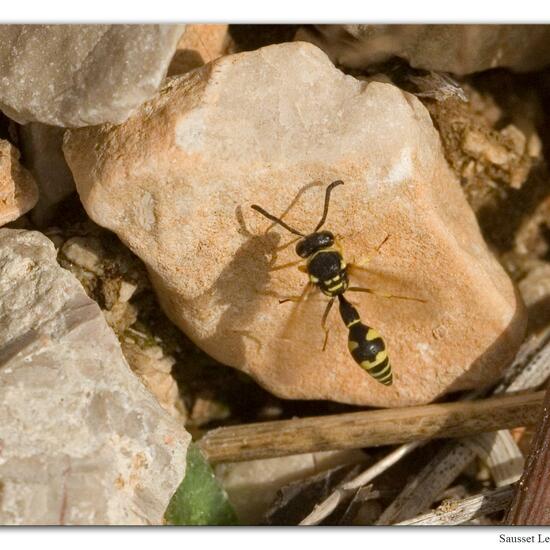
[(328, 271)]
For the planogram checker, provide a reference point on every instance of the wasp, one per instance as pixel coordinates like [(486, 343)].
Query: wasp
[(328, 271)]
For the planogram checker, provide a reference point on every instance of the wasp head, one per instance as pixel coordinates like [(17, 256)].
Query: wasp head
[(314, 242)]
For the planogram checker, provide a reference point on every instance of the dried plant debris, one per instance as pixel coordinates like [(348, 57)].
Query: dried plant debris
[(293, 499), (437, 475), (252, 486), (501, 455), (353, 487), (438, 86), (490, 140), (529, 371), (456, 512), (500, 461), (364, 507)]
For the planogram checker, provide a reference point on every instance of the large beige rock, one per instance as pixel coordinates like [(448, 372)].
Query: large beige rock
[(18, 191), (274, 127), (81, 439), (459, 49), (79, 75)]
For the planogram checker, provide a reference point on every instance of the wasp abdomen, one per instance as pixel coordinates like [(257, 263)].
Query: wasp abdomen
[(369, 350), (365, 344)]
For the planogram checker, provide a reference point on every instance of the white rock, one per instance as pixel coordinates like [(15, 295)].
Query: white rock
[(80, 75), (81, 439)]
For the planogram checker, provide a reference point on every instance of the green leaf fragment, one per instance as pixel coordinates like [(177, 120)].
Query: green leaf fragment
[(199, 500)]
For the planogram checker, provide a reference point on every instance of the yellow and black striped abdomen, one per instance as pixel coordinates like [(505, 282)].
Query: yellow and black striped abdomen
[(366, 346), (368, 349)]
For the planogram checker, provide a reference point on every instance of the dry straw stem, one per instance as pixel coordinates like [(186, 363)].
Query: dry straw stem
[(369, 428), (461, 511)]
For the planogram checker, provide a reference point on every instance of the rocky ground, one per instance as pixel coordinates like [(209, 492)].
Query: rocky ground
[(129, 247)]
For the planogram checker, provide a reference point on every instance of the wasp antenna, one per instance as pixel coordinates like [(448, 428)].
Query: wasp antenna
[(327, 199), (276, 220)]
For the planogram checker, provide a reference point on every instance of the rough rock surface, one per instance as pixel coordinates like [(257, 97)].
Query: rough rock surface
[(41, 147), (18, 191), (80, 75), (176, 182), (252, 486), (198, 45), (459, 49), (81, 439)]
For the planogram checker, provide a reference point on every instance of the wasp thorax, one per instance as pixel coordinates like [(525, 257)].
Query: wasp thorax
[(314, 242)]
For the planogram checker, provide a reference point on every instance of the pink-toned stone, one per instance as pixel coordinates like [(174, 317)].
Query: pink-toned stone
[(18, 191), (274, 127)]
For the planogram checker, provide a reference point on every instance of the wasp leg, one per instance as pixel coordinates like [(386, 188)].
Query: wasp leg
[(366, 259), (302, 296), (291, 299), (382, 294), (324, 322), (285, 266)]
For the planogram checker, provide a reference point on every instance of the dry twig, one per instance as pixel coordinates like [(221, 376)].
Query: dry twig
[(369, 428)]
